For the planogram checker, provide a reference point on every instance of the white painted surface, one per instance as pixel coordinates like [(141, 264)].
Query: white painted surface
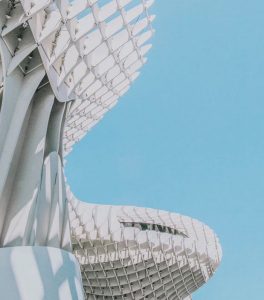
[(36, 273), (139, 253), (91, 52)]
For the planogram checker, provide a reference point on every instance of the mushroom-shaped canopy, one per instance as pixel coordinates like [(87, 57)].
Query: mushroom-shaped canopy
[(92, 51), (140, 253)]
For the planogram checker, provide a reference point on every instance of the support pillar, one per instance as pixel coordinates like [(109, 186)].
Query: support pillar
[(36, 262)]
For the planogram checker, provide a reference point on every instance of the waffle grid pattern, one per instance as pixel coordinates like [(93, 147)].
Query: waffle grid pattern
[(92, 51), (119, 262)]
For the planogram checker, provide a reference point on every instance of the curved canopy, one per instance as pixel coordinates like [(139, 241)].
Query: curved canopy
[(141, 253), (92, 51)]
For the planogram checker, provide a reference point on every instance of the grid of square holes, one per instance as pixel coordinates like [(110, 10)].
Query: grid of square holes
[(125, 269)]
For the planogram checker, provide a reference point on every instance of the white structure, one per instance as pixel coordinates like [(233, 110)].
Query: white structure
[(140, 253), (32, 273), (63, 65), (53, 52)]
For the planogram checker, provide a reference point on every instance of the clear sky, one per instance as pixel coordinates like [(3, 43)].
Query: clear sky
[(189, 135)]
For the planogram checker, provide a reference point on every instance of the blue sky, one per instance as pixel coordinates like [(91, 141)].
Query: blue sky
[(189, 135)]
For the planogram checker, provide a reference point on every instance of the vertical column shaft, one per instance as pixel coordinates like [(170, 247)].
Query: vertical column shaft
[(33, 205)]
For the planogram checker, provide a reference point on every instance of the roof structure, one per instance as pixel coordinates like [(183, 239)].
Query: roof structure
[(92, 51), (141, 253), (86, 53)]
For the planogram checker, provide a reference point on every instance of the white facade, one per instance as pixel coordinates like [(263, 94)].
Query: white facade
[(63, 65), (34, 273)]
